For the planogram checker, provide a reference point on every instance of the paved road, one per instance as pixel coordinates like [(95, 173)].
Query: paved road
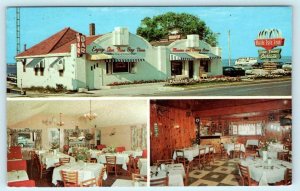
[(261, 89)]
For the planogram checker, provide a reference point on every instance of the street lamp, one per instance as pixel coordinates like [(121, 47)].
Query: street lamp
[(229, 51)]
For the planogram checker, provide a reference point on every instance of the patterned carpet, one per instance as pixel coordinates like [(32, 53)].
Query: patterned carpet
[(223, 172)]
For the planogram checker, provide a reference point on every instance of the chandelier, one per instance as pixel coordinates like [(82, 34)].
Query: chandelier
[(90, 116), (60, 123)]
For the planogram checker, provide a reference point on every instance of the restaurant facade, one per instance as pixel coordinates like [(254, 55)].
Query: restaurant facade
[(75, 61)]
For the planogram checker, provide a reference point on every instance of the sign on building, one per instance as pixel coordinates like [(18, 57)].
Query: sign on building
[(80, 44)]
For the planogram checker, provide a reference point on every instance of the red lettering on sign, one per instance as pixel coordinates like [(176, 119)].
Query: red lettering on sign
[(269, 44)]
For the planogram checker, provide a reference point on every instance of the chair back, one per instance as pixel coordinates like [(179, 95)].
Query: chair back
[(202, 151), (167, 161), (16, 165), (23, 183), (288, 177), (69, 178), (179, 153), (89, 183), (244, 170), (283, 155), (100, 147), (138, 177), (66, 149), (111, 159), (159, 182), (237, 147), (63, 161), (120, 149), (100, 178), (144, 154)]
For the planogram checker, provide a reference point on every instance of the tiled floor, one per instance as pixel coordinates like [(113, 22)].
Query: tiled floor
[(223, 172)]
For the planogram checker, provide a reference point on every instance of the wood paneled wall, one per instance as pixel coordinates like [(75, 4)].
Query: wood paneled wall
[(169, 137)]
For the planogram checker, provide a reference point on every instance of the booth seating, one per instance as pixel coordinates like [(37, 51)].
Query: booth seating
[(120, 149), (15, 152), (100, 147), (144, 155), (23, 183), (16, 165)]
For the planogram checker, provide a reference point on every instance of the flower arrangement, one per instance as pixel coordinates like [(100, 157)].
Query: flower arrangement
[(265, 144), (111, 149), (81, 153), (233, 139)]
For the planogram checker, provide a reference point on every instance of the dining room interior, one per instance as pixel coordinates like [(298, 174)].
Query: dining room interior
[(220, 142), (77, 143)]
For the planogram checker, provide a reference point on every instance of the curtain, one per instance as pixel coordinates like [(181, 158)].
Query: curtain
[(138, 137)]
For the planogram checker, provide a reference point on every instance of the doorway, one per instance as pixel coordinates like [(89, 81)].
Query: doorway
[(191, 69)]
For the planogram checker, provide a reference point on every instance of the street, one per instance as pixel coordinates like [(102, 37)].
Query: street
[(262, 89)]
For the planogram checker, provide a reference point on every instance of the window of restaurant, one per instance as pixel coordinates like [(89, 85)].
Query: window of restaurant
[(61, 73), (24, 66), (42, 71), (205, 65), (247, 129), (176, 68), (36, 70), (120, 67)]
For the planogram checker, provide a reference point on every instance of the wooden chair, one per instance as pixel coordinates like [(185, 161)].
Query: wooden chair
[(111, 164), (89, 183), (42, 170), (223, 151), (187, 171), (283, 155), (132, 166), (288, 177), (139, 177), (200, 159), (63, 161), (167, 161), (245, 176), (100, 178), (180, 157), (92, 160), (69, 178), (66, 149), (159, 182), (236, 150), (209, 157)]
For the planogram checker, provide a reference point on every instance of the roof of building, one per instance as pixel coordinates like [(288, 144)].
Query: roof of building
[(57, 43), (161, 43)]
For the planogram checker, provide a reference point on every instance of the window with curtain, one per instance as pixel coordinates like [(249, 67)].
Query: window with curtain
[(138, 137), (247, 129)]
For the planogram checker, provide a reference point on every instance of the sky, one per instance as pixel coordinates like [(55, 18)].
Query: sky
[(244, 23)]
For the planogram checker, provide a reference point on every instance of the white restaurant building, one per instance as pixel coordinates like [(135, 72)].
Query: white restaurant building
[(115, 57)]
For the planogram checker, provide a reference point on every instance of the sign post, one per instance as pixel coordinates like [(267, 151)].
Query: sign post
[(80, 44)]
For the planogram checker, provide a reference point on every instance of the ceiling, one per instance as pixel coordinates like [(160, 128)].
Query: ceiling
[(110, 112), (236, 108)]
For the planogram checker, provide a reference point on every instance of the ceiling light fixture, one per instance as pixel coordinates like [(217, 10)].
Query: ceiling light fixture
[(90, 116)]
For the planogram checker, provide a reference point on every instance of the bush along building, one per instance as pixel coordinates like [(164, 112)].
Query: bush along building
[(73, 60)]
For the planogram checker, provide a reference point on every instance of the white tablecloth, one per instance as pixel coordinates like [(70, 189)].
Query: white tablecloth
[(49, 159), (134, 153), (230, 147), (253, 142), (85, 171), (19, 175), (191, 152), (273, 152), (264, 173), (121, 159), (176, 174), (126, 183), (95, 153), (276, 146), (142, 165)]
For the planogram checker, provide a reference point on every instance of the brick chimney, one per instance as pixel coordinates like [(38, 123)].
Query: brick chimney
[(92, 29)]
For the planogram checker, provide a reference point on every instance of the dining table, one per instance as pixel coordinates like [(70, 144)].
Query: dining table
[(191, 152), (85, 171), (230, 147), (128, 183), (266, 172), (142, 165), (50, 158), (137, 153), (17, 175), (121, 159), (175, 173)]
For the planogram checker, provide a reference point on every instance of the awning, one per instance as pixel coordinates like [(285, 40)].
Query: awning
[(180, 56), (99, 56), (58, 64), (35, 63), (125, 58), (212, 56), (197, 55)]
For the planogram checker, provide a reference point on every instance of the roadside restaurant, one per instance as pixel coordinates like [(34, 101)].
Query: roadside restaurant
[(73, 60)]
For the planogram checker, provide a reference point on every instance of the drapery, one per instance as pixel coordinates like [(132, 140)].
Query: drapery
[(138, 137)]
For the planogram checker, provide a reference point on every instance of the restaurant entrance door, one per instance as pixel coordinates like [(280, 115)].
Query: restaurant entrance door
[(191, 69)]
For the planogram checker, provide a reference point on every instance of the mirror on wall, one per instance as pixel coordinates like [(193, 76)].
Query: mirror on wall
[(54, 138)]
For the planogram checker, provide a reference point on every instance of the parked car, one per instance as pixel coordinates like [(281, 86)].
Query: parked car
[(232, 71)]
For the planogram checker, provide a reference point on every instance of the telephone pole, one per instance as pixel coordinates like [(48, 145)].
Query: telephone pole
[(229, 51), (18, 30)]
